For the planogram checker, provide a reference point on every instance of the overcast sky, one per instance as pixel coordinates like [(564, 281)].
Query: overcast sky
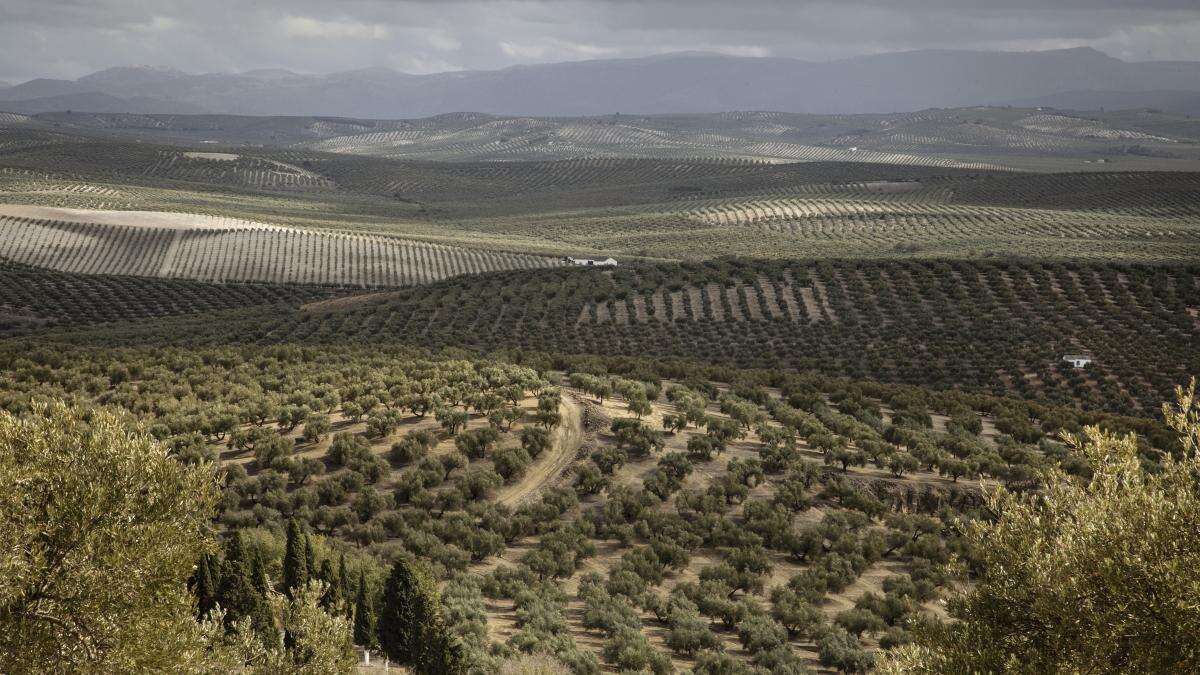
[(70, 38)]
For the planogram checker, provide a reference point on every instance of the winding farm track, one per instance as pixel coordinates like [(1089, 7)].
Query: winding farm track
[(568, 436)]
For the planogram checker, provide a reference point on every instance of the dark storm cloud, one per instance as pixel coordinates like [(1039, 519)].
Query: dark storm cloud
[(73, 37)]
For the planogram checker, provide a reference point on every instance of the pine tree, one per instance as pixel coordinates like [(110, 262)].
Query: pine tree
[(411, 630), (364, 615), (295, 565)]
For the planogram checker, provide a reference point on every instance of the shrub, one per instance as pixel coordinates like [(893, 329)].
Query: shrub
[(859, 621), (316, 426), (839, 649)]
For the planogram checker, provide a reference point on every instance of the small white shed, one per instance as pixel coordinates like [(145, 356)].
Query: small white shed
[(1077, 360), (589, 262)]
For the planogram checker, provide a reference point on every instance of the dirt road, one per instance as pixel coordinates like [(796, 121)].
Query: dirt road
[(566, 441)]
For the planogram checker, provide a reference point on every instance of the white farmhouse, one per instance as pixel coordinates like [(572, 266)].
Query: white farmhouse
[(588, 262), (1077, 360)]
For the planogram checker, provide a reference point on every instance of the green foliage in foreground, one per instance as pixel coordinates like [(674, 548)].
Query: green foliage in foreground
[(99, 530), (317, 641), (1083, 578)]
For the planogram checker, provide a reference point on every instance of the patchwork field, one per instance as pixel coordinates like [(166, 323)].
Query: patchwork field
[(82, 198), (629, 207)]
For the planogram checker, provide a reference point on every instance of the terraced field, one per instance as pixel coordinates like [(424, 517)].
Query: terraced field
[(175, 246)]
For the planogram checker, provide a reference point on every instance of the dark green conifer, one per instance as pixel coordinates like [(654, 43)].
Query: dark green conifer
[(295, 564), (344, 586), (410, 625), (364, 615), (236, 592), (310, 557), (204, 584), (332, 600), (263, 618)]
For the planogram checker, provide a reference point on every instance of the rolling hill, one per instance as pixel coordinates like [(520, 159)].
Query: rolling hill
[(674, 208), (978, 138)]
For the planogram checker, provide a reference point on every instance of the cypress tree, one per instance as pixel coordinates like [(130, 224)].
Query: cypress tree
[(295, 565), (236, 592), (344, 586), (446, 653), (410, 621), (263, 618), (204, 584), (310, 557), (332, 600), (242, 591), (364, 615)]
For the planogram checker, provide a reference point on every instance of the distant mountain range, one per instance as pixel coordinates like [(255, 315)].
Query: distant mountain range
[(684, 82)]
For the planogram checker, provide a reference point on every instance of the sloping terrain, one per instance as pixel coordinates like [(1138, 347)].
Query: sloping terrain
[(37, 299), (617, 523), (626, 207), (989, 326), (172, 245)]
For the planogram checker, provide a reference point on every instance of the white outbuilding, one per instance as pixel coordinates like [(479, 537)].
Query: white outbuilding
[(589, 262), (1077, 360)]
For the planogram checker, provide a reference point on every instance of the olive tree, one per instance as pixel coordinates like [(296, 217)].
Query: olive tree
[(100, 529), (1086, 576)]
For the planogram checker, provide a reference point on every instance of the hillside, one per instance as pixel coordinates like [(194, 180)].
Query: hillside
[(632, 207), (600, 337), (1000, 327), (781, 509), (1017, 138), (172, 245), (33, 300)]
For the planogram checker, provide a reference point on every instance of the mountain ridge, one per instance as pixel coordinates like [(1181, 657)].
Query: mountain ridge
[(678, 82)]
